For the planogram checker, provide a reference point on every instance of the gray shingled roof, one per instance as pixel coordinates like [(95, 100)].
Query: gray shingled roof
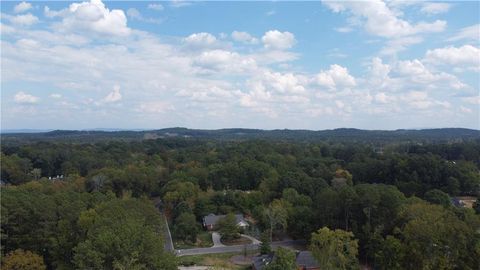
[(260, 261), (303, 259), (212, 219), (306, 259)]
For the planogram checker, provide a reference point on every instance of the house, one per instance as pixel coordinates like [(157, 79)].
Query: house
[(258, 262), (304, 261), (210, 221), (464, 201)]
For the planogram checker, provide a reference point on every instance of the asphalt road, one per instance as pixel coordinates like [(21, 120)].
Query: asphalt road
[(168, 236), (238, 248)]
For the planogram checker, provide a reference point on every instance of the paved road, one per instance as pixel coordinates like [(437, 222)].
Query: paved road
[(238, 248), (168, 236), (211, 250)]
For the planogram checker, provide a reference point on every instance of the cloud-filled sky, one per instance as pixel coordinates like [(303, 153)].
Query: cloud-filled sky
[(304, 65)]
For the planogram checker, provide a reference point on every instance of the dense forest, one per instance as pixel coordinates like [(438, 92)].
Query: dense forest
[(89, 205)]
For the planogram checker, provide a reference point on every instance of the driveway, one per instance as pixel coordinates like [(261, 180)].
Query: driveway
[(216, 240), (254, 240)]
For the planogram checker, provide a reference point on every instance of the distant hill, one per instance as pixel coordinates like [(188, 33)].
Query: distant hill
[(341, 134)]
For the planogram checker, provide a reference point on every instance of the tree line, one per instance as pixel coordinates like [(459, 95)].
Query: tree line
[(393, 202)]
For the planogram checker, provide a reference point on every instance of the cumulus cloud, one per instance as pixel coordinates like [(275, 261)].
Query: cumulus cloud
[(435, 8), (91, 16), (164, 80), (224, 61), (113, 96), (415, 71), (200, 40), (336, 76), (244, 37), (275, 39), (155, 6), (22, 20), (470, 33), (24, 98), (380, 20), (56, 96), (465, 56), (22, 7)]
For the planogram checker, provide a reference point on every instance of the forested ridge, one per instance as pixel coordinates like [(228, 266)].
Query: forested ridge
[(393, 196), (338, 135)]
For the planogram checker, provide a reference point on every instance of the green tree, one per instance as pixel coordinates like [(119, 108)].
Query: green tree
[(284, 260), (186, 227), (390, 255), (435, 238), (265, 247), (276, 215), (125, 234), (228, 228), (22, 260), (334, 249), (437, 196)]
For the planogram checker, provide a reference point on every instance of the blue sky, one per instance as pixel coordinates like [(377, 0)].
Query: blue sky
[(303, 65)]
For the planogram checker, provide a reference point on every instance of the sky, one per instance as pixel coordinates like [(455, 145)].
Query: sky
[(269, 65)]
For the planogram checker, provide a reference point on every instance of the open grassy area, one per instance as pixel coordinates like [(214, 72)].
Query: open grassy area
[(204, 239), (221, 260)]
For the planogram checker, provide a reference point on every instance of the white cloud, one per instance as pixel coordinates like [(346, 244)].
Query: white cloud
[(470, 33), (224, 61), (472, 100), (201, 39), (416, 72), (156, 6), (24, 19), (275, 39), (465, 56), (336, 77), (179, 3), (270, 13), (24, 98), (344, 29), (244, 37), (134, 13), (22, 7), (417, 99), (380, 20), (383, 98), (435, 8), (91, 16), (396, 45), (56, 96), (113, 96), (155, 107), (465, 109)]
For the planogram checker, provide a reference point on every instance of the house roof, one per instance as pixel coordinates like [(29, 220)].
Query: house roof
[(306, 259), (212, 219), (261, 261)]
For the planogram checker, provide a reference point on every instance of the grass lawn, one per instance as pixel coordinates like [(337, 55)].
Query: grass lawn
[(204, 239), (221, 260)]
